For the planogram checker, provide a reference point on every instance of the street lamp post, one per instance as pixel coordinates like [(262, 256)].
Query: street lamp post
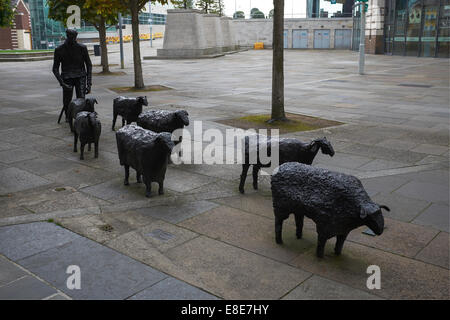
[(122, 62), (362, 37), (151, 26)]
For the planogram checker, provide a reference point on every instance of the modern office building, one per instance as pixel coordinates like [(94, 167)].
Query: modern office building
[(48, 34)]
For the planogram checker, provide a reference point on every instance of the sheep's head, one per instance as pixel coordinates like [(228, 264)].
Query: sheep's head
[(372, 216), (325, 146), (90, 102), (142, 101), (183, 117), (92, 118)]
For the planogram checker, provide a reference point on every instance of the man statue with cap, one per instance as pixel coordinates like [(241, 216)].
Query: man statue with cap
[(73, 57)]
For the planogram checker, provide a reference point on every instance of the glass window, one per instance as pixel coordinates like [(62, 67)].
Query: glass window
[(444, 30), (413, 27), (400, 23), (429, 28)]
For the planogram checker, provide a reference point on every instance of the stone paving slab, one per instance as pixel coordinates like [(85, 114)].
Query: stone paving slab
[(9, 272), (233, 273), (178, 212), (14, 180), (430, 282), (401, 238), (402, 208), (247, 231), (16, 155), (105, 274), (173, 289), (24, 240), (437, 251), (318, 288), (436, 216), (431, 192), (26, 288)]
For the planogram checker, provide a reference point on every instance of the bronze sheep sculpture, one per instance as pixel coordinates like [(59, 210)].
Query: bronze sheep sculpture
[(336, 202), (290, 150)]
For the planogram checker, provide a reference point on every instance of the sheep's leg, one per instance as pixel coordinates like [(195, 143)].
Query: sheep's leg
[(127, 175), (138, 177), (161, 188), (82, 151), (278, 230), (96, 149), (299, 224), (123, 122), (321, 241), (148, 188), (114, 121), (255, 176), (89, 147), (340, 239), (245, 168), (75, 141), (71, 124)]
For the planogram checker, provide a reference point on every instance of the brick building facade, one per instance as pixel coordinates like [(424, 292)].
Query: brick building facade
[(18, 36)]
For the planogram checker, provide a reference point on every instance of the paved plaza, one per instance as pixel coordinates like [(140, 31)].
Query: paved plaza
[(203, 239)]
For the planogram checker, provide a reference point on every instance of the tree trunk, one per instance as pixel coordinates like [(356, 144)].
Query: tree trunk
[(138, 78), (278, 62), (103, 45)]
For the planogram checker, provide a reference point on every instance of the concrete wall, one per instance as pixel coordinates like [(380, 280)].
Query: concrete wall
[(249, 31), (192, 34)]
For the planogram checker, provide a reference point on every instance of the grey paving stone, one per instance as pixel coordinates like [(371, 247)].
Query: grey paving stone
[(15, 155), (425, 191), (182, 181), (105, 273), (14, 180), (437, 251), (173, 289), (436, 216), (23, 240), (178, 212), (402, 208), (45, 165), (385, 184), (380, 164), (58, 297), (27, 288), (115, 191), (7, 146), (9, 271), (430, 149), (318, 288)]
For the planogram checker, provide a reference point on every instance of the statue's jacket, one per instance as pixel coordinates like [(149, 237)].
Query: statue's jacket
[(74, 60)]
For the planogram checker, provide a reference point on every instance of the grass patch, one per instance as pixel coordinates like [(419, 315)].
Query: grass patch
[(146, 89), (295, 123), (117, 73)]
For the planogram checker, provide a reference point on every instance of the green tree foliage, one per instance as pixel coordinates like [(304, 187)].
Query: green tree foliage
[(211, 6), (255, 13), (239, 15), (6, 13), (135, 7), (100, 13), (183, 4)]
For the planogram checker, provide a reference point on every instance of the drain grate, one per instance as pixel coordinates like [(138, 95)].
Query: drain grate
[(414, 85)]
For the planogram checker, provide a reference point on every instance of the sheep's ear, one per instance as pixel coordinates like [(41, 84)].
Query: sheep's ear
[(368, 209), (95, 101)]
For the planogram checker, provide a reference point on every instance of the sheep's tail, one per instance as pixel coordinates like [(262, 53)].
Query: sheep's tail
[(385, 208)]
